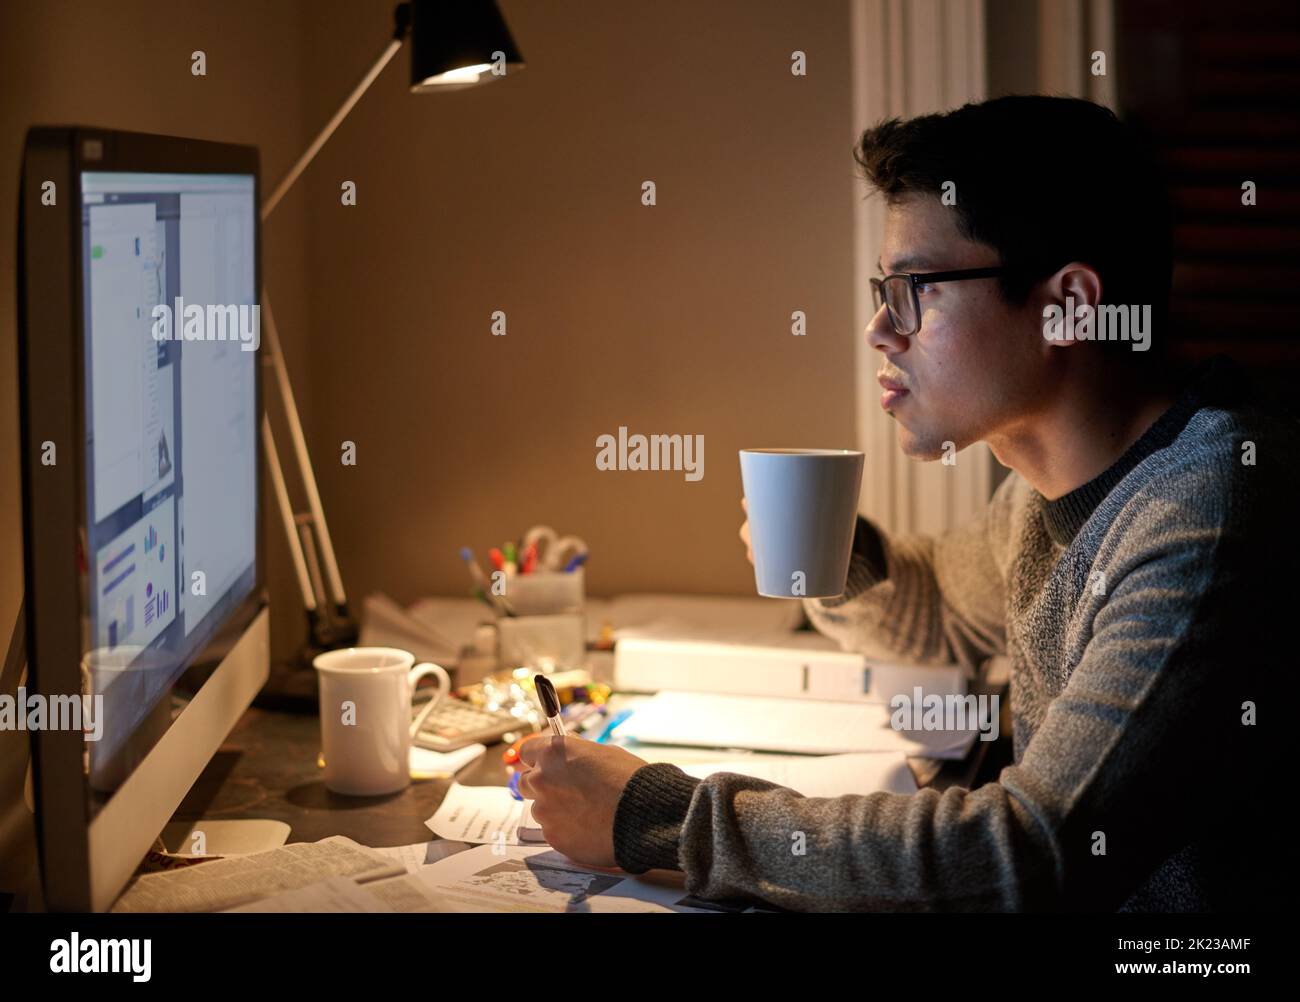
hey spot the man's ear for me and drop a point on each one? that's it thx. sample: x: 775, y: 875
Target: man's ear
x: 1080, y: 281
x: 1060, y: 298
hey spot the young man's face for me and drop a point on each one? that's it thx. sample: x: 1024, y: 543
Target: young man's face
x: 977, y: 365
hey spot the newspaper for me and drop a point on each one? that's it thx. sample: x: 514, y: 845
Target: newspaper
x: 490, y: 878
x: 238, y: 880
x: 395, y: 894
x: 339, y: 894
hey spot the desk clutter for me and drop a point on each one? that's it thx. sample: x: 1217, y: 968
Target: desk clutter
x: 741, y: 689
x: 541, y: 575
x: 704, y: 671
x: 534, y: 593
x: 450, y: 630
x: 502, y: 706
x: 486, y: 857
x: 337, y: 874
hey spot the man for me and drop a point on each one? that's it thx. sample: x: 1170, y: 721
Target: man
x: 1120, y: 566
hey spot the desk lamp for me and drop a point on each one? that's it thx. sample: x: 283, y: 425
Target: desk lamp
x: 454, y: 44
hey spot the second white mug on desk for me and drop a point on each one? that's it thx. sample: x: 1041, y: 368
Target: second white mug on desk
x: 365, y: 716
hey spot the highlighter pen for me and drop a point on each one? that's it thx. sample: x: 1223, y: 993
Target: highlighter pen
x: 618, y: 718
x: 481, y: 583
x: 499, y: 603
x: 475, y: 571
x: 550, y: 703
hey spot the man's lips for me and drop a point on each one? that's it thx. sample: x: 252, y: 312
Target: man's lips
x: 894, y: 391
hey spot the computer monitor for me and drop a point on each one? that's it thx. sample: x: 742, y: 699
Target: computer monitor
x: 141, y: 409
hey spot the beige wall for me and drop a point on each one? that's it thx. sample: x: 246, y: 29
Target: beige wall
x: 523, y: 196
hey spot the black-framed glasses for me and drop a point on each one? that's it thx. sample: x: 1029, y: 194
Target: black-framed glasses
x: 898, y: 293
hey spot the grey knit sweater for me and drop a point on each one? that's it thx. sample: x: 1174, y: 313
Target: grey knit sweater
x: 1142, y: 627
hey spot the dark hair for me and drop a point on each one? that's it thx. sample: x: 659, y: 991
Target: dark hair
x: 1044, y: 181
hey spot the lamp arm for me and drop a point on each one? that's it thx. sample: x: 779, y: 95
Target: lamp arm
x: 345, y: 628
x: 283, y: 187
x: 305, y: 584
x: 319, y: 628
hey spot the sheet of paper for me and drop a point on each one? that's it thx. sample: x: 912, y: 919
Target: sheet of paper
x: 536, y: 879
x: 821, y: 775
x: 489, y: 878
x: 479, y: 815
x: 406, y: 893
x: 425, y: 763
x: 337, y: 894
x: 342, y: 894
x: 810, y: 727
x: 420, y: 854
x: 238, y: 880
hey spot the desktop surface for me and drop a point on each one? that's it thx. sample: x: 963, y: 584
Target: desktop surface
x: 267, y: 768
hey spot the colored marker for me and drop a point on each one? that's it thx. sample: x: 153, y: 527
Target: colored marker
x: 617, y: 719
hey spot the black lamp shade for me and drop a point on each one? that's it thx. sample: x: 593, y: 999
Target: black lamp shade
x: 453, y: 43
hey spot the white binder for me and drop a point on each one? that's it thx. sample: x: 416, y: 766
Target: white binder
x: 648, y: 665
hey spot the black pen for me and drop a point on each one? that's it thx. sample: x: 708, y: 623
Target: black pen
x: 550, y: 703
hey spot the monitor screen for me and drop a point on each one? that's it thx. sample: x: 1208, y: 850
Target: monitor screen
x: 171, y: 328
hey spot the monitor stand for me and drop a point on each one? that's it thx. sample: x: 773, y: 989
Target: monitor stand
x: 18, y: 854
x: 196, y: 839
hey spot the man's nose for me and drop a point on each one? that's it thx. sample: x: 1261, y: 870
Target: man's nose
x: 881, y: 334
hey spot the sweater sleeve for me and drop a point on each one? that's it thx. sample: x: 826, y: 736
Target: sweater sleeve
x: 1115, y: 780
x: 648, y: 818
x: 929, y: 600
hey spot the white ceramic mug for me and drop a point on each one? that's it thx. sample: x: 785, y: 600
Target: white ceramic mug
x: 365, y: 716
x: 803, y: 508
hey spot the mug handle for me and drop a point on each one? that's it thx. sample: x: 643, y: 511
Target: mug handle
x: 444, y: 687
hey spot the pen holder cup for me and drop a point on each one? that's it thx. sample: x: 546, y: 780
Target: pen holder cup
x: 546, y: 593
x: 542, y: 643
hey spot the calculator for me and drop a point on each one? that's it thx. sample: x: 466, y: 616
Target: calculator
x: 454, y: 723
